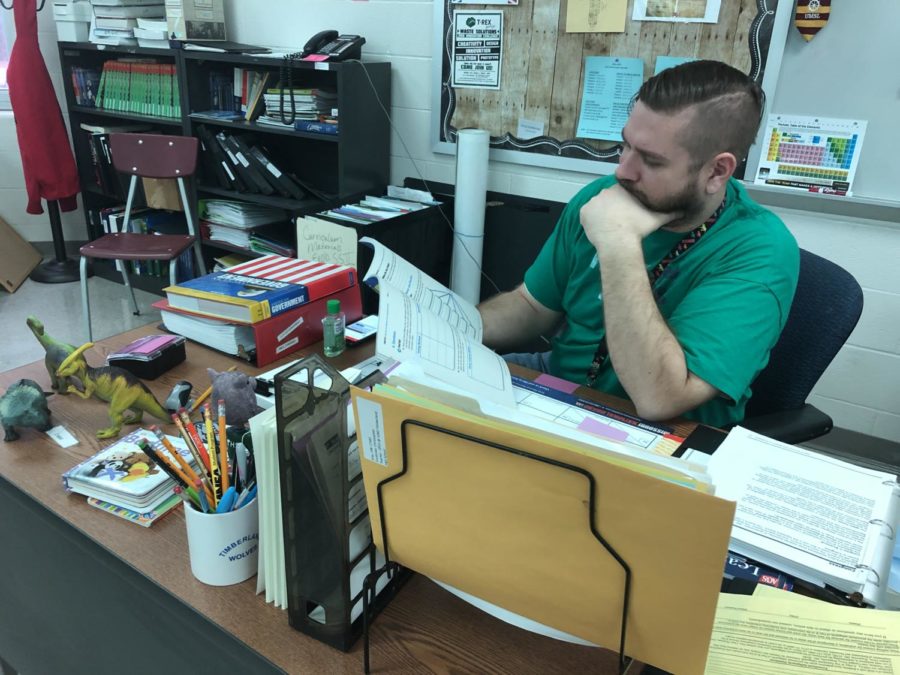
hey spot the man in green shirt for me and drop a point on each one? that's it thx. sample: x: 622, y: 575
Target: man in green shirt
x: 669, y: 283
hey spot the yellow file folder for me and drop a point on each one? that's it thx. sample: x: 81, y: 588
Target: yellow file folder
x: 517, y: 532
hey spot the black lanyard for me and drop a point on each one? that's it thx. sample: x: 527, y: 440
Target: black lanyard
x: 680, y: 249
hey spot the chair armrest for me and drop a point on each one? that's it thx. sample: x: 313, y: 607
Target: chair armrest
x: 791, y: 426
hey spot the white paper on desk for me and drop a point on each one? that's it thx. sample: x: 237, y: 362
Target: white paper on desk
x: 390, y: 268
x: 807, y: 508
x: 410, y: 332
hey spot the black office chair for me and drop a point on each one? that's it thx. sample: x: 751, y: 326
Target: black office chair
x: 826, y: 309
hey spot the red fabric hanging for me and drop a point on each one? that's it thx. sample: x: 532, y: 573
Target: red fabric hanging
x: 47, y: 159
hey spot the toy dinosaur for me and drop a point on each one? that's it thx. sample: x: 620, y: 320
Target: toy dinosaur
x: 122, y: 390
x: 23, y: 405
x: 55, y: 353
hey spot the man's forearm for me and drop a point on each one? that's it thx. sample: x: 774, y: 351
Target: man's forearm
x: 514, y: 319
x: 646, y: 355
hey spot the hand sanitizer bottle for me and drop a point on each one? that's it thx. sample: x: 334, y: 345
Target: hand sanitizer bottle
x: 333, y: 329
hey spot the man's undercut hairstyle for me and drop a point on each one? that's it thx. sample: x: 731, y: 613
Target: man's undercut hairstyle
x: 728, y: 106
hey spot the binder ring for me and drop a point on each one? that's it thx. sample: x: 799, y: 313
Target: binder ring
x: 884, y: 523
x: 873, y: 571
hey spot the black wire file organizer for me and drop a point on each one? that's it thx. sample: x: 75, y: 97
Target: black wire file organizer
x: 391, y: 569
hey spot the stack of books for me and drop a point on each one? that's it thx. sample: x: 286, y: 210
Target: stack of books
x: 84, y: 85
x: 116, y: 22
x: 310, y: 110
x: 122, y: 480
x: 261, y: 309
x: 140, y: 86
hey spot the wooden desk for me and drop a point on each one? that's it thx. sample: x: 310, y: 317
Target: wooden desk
x: 83, y: 591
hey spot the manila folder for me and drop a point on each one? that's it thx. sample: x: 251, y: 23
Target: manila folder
x: 517, y: 532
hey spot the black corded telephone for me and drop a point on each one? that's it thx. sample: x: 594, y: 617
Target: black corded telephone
x: 333, y: 47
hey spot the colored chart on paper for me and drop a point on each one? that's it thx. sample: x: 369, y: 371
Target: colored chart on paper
x: 811, y: 153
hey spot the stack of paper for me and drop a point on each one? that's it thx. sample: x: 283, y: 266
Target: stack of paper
x: 810, y: 515
x: 115, y: 21
x: 242, y: 215
x: 230, y: 338
x: 775, y: 631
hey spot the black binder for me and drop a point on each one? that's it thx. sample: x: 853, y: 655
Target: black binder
x: 282, y: 181
x: 251, y: 171
x: 213, y: 161
x: 241, y: 184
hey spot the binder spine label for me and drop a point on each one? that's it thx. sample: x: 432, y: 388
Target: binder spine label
x: 371, y: 431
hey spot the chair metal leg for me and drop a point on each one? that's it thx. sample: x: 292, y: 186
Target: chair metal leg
x: 173, y: 264
x: 198, y: 249
x: 85, y: 303
x: 127, y: 281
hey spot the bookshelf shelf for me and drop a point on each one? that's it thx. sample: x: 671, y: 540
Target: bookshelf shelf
x: 293, y: 205
x: 121, y: 115
x: 224, y: 246
x: 199, y: 118
x: 355, y: 161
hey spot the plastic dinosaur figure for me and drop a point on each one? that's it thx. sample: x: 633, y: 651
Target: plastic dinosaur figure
x: 55, y: 353
x: 122, y: 390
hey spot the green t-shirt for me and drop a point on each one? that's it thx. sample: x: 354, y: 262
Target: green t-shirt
x: 726, y: 298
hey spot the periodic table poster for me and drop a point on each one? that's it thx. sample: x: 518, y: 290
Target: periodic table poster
x: 814, y: 154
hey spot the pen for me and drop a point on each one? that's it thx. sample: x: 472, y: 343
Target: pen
x: 241, y: 461
x: 185, y: 467
x: 246, y: 496
x: 223, y: 444
x: 215, y: 475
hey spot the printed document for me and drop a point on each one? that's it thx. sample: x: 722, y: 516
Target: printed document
x: 808, y: 514
x: 421, y: 320
x: 774, y: 631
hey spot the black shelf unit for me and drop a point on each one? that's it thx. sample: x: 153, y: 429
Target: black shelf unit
x: 337, y: 167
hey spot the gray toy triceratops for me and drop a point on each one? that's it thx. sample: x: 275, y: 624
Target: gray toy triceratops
x: 23, y: 405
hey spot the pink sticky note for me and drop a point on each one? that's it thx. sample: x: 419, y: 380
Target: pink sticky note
x: 592, y: 426
x: 556, y: 383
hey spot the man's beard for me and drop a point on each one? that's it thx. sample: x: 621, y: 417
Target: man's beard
x: 688, y: 202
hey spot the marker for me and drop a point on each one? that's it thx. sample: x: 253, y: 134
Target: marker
x: 246, y: 496
x: 227, y: 502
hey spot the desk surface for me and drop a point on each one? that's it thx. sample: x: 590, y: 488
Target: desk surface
x: 423, y: 628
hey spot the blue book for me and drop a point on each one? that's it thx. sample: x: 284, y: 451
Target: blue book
x: 258, y: 289
x: 316, y: 127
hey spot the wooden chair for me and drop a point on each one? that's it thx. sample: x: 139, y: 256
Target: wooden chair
x: 145, y: 156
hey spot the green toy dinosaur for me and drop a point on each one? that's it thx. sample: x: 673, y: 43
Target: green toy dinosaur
x: 55, y: 353
x: 122, y: 390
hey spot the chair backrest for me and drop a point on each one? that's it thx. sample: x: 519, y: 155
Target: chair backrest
x: 826, y: 308
x: 154, y: 155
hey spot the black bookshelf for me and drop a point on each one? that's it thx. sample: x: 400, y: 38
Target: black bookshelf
x: 332, y: 168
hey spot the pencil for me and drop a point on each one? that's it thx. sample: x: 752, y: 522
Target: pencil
x: 195, y: 453
x: 215, y: 475
x: 185, y: 467
x: 223, y: 444
x: 206, y: 393
x: 194, y: 436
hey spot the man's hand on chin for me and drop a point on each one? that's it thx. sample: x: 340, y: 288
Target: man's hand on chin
x: 616, y: 217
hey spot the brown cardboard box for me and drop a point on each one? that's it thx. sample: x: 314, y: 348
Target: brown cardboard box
x: 162, y: 193
x: 17, y: 257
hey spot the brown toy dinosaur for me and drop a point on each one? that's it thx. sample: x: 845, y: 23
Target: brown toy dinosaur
x: 122, y: 390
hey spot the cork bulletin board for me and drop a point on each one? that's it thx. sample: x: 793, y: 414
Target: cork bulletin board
x: 542, y: 72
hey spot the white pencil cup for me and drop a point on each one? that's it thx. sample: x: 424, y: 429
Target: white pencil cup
x: 223, y: 546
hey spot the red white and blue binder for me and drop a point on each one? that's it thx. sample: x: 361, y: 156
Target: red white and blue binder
x: 259, y: 289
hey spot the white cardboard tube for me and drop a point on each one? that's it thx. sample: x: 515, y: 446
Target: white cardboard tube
x: 472, y: 146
